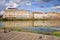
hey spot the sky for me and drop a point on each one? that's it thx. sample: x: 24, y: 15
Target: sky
x: 31, y: 5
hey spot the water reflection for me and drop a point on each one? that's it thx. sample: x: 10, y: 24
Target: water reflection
x: 39, y: 29
x: 32, y: 26
x: 1, y: 24
x: 17, y: 24
x: 47, y: 23
x: 25, y: 24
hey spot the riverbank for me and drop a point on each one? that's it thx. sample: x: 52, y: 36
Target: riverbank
x: 54, y: 33
x: 4, y: 19
x: 14, y: 35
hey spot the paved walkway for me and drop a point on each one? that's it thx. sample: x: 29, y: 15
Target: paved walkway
x: 25, y: 36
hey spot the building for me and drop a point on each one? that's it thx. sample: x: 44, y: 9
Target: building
x: 38, y: 15
x: 53, y: 15
x: 48, y: 15
x: 13, y: 13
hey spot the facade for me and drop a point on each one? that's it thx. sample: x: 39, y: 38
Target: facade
x: 13, y: 13
x: 16, y: 14
x: 38, y: 15
x: 48, y: 15
x: 53, y: 15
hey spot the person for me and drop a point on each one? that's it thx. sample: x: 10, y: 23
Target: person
x: 40, y: 37
x: 4, y: 30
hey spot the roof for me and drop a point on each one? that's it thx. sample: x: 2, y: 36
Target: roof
x: 37, y: 12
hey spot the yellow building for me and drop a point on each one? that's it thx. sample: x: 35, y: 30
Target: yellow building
x: 48, y: 15
x: 38, y: 15
x: 13, y: 13
x: 53, y: 15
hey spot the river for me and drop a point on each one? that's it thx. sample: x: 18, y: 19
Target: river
x: 32, y: 26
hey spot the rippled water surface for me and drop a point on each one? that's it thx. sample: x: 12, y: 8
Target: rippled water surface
x: 32, y: 26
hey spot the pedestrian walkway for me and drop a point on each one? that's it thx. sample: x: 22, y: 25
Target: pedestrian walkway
x: 13, y: 35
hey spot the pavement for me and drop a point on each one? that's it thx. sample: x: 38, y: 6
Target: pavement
x: 14, y: 35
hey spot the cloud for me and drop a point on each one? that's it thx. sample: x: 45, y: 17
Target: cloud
x: 55, y: 7
x: 1, y: 12
x: 39, y: 1
x: 47, y: 0
x: 26, y: 3
x: 11, y: 5
x: 58, y: 0
x: 43, y: 1
x: 58, y: 12
x: 16, y: 3
x: 2, y: 2
x: 57, y: 4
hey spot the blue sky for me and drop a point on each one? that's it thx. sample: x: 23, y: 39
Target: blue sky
x: 32, y: 5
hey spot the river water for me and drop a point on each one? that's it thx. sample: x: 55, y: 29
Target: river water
x: 32, y: 26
